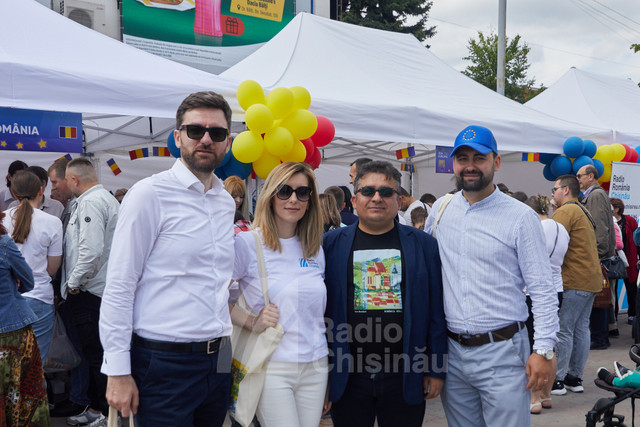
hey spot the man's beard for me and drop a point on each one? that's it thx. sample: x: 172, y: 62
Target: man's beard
x: 200, y: 165
x: 479, y: 184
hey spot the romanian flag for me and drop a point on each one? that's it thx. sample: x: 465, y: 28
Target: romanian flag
x: 405, y: 152
x: 114, y: 166
x: 68, y: 132
x: 161, y: 152
x: 66, y: 156
x: 530, y: 157
x: 407, y: 167
x: 139, y: 153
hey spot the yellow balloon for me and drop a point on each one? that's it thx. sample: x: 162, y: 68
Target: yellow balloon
x: 250, y: 92
x: 606, y: 175
x: 604, y: 154
x: 297, y: 154
x: 301, y: 123
x: 247, y: 146
x: 265, y: 164
x: 618, y: 152
x: 278, y: 141
x: 301, y: 98
x: 258, y: 118
x: 280, y: 101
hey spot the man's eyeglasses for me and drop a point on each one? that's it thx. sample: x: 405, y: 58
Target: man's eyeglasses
x: 554, y: 189
x: 302, y: 193
x: 369, y: 191
x: 580, y: 175
x: 217, y: 134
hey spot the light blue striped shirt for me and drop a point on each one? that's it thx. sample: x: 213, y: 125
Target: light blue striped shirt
x: 490, y: 252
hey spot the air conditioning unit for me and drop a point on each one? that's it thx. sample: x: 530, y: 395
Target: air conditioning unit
x: 99, y: 15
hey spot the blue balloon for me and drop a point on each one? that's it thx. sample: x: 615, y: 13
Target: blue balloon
x: 547, y: 158
x: 599, y: 166
x: 580, y: 162
x: 560, y: 166
x: 237, y: 168
x: 226, y: 159
x: 171, y: 144
x: 590, y: 148
x: 219, y: 172
x: 573, y: 147
x: 638, y: 150
x: 548, y: 174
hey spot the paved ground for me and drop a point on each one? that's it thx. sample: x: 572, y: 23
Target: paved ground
x: 568, y: 410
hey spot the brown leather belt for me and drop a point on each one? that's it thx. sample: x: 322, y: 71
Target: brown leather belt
x: 208, y: 347
x: 476, y: 340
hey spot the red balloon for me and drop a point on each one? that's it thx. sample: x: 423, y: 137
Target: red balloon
x: 315, y: 159
x: 634, y: 156
x: 605, y: 185
x: 325, y: 132
x: 309, y: 146
x: 627, y: 154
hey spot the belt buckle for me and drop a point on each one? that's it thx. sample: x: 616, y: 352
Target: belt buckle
x: 210, y: 344
x: 462, y: 338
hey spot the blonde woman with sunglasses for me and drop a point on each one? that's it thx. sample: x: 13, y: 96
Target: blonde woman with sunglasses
x: 289, y: 222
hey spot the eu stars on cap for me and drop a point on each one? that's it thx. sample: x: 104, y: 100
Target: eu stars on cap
x: 477, y: 137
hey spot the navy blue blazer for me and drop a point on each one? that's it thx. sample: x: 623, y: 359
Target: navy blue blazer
x: 424, y: 329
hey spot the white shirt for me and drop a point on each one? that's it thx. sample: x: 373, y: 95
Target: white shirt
x: 296, y: 286
x: 561, y: 245
x: 490, y: 251
x: 87, y: 241
x: 170, y: 266
x: 412, y: 206
x: 45, y: 239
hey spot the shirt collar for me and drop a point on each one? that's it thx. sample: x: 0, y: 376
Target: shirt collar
x: 188, y: 179
x: 588, y: 190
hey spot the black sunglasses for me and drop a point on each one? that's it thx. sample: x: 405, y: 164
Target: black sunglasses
x: 369, y: 191
x: 217, y: 134
x: 302, y: 193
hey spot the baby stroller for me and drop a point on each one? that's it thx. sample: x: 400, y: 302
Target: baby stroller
x: 625, y: 384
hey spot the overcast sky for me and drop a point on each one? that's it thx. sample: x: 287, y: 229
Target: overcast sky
x: 592, y: 35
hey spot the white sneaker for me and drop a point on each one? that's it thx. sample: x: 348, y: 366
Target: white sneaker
x: 101, y: 421
x: 83, y: 418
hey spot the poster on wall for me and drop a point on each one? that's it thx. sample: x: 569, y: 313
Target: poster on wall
x: 444, y: 161
x: 211, y: 35
x: 42, y: 131
x: 625, y: 185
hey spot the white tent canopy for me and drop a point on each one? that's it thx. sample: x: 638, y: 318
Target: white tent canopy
x: 49, y: 62
x: 383, y: 86
x: 606, y: 102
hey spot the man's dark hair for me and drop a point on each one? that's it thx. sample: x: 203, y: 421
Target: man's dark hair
x: 520, y: 195
x: 428, y: 198
x: 337, y: 193
x: 359, y: 162
x: 205, y: 99
x: 15, y: 166
x: 60, y: 167
x: 40, y: 173
x: 502, y: 187
x: 381, y: 167
x: 418, y: 215
x: 570, y: 181
x: 347, y: 198
x: 592, y: 169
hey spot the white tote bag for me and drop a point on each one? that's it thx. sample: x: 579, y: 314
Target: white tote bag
x: 251, y: 353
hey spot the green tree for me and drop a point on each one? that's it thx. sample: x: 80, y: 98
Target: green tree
x: 390, y: 15
x: 483, y: 54
x: 635, y: 47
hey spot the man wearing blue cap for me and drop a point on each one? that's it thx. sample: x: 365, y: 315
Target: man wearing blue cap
x: 492, y: 247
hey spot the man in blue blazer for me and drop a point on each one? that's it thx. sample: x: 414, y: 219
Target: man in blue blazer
x: 385, y: 319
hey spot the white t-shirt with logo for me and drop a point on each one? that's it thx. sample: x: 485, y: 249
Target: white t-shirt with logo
x: 296, y: 287
x: 45, y: 239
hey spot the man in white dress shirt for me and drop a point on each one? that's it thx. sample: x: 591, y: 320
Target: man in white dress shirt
x: 165, y: 323
x: 492, y: 247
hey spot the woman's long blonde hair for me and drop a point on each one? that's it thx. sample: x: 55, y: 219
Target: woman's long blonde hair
x: 308, y: 229
x: 235, y: 186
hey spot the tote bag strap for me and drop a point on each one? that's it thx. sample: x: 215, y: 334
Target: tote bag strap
x: 261, y: 268
x: 446, y: 199
x: 556, y: 242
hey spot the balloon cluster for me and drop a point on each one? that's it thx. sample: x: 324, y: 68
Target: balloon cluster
x: 579, y: 153
x: 280, y: 128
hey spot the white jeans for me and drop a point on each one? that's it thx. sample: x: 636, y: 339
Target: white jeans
x: 293, y: 394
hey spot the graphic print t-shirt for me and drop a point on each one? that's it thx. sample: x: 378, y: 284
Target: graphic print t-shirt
x: 375, y: 302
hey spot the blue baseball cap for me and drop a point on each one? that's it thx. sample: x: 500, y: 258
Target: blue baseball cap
x: 477, y: 137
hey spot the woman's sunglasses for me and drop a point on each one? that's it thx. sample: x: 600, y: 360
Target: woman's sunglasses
x: 217, y: 134
x: 302, y: 193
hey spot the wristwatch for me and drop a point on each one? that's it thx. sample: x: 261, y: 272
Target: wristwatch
x: 546, y: 353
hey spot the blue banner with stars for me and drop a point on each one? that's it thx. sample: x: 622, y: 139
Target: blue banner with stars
x: 36, y: 130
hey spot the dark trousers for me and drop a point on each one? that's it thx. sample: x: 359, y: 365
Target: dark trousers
x: 366, y: 399
x: 85, y: 311
x: 599, y: 325
x: 80, y: 375
x: 182, y: 389
x: 631, y: 289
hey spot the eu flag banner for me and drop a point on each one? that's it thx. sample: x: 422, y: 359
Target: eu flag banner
x: 37, y: 130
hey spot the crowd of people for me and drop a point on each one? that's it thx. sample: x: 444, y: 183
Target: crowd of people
x: 487, y: 298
